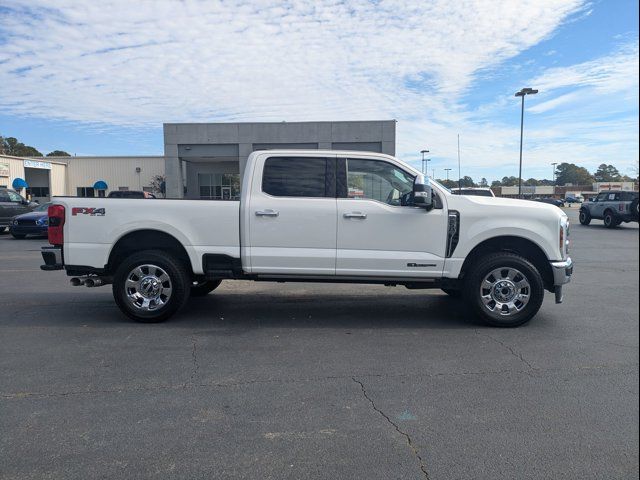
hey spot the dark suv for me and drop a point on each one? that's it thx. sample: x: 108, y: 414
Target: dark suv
x: 12, y: 204
x: 614, y: 207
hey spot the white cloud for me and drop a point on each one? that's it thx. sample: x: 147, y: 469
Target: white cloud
x: 139, y: 64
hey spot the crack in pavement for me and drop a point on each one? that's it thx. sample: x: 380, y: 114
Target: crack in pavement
x: 513, y: 352
x: 169, y: 387
x: 423, y: 467
x: 194, y: 359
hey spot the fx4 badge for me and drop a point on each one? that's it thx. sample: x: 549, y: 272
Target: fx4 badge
x: 94, y: 212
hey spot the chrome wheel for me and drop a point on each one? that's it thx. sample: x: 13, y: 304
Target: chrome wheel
x: 148, y: 287
x: 505, y: 291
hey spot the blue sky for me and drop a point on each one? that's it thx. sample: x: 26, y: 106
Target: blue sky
x: 100, y: 78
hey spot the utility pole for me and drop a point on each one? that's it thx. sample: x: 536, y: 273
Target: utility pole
x: 423, y: 152
x: 522, y: 93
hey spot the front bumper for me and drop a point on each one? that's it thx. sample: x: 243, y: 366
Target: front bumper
x: 28, y: 230
x: 52, y: 257
x: 562, y: 272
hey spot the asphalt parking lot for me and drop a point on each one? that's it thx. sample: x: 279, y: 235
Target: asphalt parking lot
x: 321, y: 381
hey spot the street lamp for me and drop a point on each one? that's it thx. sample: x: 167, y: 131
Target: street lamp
x: 447, y: 170
x: 554, y: 176
x: 522, y: 93
x: 423, y: 152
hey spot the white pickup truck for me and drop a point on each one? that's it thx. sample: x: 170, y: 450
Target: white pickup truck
x: 317, y: 216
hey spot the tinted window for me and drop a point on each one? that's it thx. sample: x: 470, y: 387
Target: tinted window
x: 4, y: 195
x: 14, y: 197
x: 298, y: 177
x: 602, y: 197
x: 377, y: 180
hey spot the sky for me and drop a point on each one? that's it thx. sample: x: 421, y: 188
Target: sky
x: 100, y: 78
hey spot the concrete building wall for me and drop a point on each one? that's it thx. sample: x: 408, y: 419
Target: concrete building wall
x: 211, y: 146
x: 54, y: 177
x: 115, y: 171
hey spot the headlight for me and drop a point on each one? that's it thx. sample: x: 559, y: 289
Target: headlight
x: 564, y: 241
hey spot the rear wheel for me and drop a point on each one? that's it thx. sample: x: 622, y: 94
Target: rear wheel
x: 200, y: 289
x: 150, y: 286
x: 634, y: 209
x: 504, y: 289
x: 609, y: 220
x: 584, y: 217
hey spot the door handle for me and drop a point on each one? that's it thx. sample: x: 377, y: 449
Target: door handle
x: 355, y: 215
x: 267, y: 213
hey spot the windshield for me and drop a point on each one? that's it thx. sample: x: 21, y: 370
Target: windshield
x: 440, y: 185
x: 42, y: 208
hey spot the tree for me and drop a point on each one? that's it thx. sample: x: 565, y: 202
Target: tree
x: 157, y: 184
x: 484, y: 183
x: 570, y: 173
x: 11, y: 146
x: 607, y: 173
x: 531, y: 182
x: 449, y: 183
x: 467, y: 181
x: 509, y: 181
x: 58, y: 153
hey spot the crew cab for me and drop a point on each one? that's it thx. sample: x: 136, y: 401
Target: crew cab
x: 317, y: 216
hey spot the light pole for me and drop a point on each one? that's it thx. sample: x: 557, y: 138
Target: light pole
x: 447, y: 170
x: 423, y: 152
x: 522, y: 93
x: 554, y: 176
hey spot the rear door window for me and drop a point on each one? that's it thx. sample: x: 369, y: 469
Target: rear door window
x: 299, y: 177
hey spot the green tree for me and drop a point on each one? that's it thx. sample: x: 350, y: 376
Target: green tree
x: 484, y: 183
x: 11, y: 146
x: 467, y: 181
x: 571, y: 173
x: 157, y: 184
x: 509, y: 181
x: 58, y: 153
x: 607, y: 173
x: 531, y: 182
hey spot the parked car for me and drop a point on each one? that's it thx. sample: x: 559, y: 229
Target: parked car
x: 477, y: 191
x: 296, y: 220
x: 551, y: 201
x: 35, y: 222
x: 12, y: 204
x: 614, y: 207
x: 130, y: 194
x: 574, y: 199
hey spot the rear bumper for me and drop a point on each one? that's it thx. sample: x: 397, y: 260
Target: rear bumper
x: 562, y: 272
x: 52, y: 257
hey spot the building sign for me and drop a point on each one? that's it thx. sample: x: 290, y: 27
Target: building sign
x: 37, y: 164
x: 4, y: 169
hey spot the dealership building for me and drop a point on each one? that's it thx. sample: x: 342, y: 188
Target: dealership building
x: 201, y: 160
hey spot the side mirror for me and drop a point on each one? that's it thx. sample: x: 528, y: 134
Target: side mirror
x: 422, y: 193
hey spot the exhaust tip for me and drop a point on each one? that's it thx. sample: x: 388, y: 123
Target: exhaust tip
x: 75, y: 281
x: 89, y: 283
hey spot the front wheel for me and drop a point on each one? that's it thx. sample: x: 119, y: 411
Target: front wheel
x: 504, y: 289
x: 610, y: 220
x: 151, y: 285
x: 584, y: 217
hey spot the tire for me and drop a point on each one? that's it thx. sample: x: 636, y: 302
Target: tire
x: 584, y: 217
x: 18, y: 236
x: 610, y: 220
x: 200, y: 289
x: 633, y: 208
x: 522, y: 300
x: 452, y: 293
x: 150, y: 286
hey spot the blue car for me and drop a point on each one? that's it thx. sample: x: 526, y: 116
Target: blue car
x: 35, y: 222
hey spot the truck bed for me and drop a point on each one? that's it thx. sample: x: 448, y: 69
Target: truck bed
x: 94, y: 225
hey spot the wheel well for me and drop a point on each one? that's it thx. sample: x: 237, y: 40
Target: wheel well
x: 147, y: 240
x: 518, y: 245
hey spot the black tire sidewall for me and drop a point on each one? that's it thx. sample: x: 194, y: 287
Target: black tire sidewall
x: 491, y: 262
x: 180, y: 284
x: 587, y: 217
x: 612, y: 221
